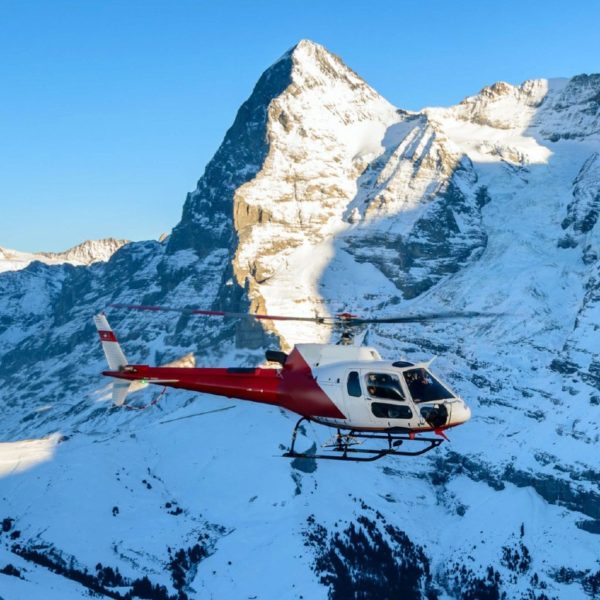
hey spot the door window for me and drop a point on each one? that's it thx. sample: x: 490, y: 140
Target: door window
x: 353, y: 385
x: 384, y: 385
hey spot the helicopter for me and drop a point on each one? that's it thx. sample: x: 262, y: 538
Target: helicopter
x: 396, y: 408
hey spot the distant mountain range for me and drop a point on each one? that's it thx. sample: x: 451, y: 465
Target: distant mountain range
x: 324, y: 197
x: 86, y: 253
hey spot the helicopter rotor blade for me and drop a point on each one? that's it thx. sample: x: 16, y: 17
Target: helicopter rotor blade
x: 424, y: 318
x: 220, y: 313
x: 345, y: 319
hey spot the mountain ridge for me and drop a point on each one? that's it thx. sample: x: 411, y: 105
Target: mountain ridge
x: 85, y: 253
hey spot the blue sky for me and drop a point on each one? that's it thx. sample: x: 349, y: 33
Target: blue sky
x: 110, y: 110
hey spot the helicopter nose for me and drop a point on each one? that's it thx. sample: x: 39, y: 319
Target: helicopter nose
x: 467, y: 412
x: 461, y: 413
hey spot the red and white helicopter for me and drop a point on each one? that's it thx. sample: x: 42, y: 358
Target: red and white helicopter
x: 350, y: 388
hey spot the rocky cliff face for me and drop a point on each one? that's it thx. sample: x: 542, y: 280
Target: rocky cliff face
x: 324, y: 197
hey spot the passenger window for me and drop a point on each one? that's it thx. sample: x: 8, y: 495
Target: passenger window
x: 384, y: 385
x: 354, y: 385
x: 391, y: 411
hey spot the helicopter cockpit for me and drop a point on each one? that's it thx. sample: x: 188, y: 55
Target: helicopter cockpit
x: 424, y: 387
x: 421, y: 384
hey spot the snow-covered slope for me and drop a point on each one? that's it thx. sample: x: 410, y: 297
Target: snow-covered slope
x: 88, y: 252
x: 324, y: 197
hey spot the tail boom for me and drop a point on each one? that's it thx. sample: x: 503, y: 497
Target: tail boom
x: 257, y: 385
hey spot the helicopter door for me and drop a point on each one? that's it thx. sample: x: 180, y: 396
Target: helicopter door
x: 388, y: 406
x: 354, y: 398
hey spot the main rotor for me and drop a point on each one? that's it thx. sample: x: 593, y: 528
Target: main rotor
x: 345, y: 322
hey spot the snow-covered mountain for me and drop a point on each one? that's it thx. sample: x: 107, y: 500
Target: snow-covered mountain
x: 86, y: 253
x: 324, y: 197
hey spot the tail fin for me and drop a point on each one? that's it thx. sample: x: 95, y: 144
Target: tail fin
x: 112, y: 350
x: 114, y: 356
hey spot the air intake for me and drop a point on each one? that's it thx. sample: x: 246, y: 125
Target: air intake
x: 276, y: 356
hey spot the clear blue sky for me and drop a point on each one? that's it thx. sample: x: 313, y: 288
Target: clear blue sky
x: 110, y: 110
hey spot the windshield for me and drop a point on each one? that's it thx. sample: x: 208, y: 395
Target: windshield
x: 424, y: 387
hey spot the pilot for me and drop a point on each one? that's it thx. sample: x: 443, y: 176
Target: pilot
x: 371, y: 384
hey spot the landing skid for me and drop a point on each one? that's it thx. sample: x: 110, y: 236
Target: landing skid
x: 342, y: 446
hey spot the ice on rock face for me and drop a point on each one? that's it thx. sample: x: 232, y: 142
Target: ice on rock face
x: 584, y: 210
x: 323, y: 197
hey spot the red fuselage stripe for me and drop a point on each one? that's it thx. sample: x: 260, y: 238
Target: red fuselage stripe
x: 259, y: 386
x: 292, y: 387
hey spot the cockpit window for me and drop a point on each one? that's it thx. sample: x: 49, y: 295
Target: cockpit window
x: 354, y: 384
x: 424, y: 387
x: 384, y: 385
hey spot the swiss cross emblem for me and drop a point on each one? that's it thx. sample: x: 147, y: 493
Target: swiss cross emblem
x: 107, y: 336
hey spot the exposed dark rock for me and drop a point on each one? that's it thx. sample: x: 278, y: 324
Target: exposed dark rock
x: 369, y: 559
x: 207, y: 220
x: 563, y: 366
x: 11, y: 570
x: 182, y: 565
x: 588, y: 580
x: 590, y: 526
x: 553, y: 489
x: 436, y: 246
x: 516, y: 558
x: 465, y: 584
x: 7, y: 524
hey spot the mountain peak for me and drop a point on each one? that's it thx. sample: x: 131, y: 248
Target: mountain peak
x: 312, y: 64
x: 528, y: 92
x: 308, y: 45
x: 304, y: 86
x: 86, y: 253
x: 309, y: 50
x: 303, y: 51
